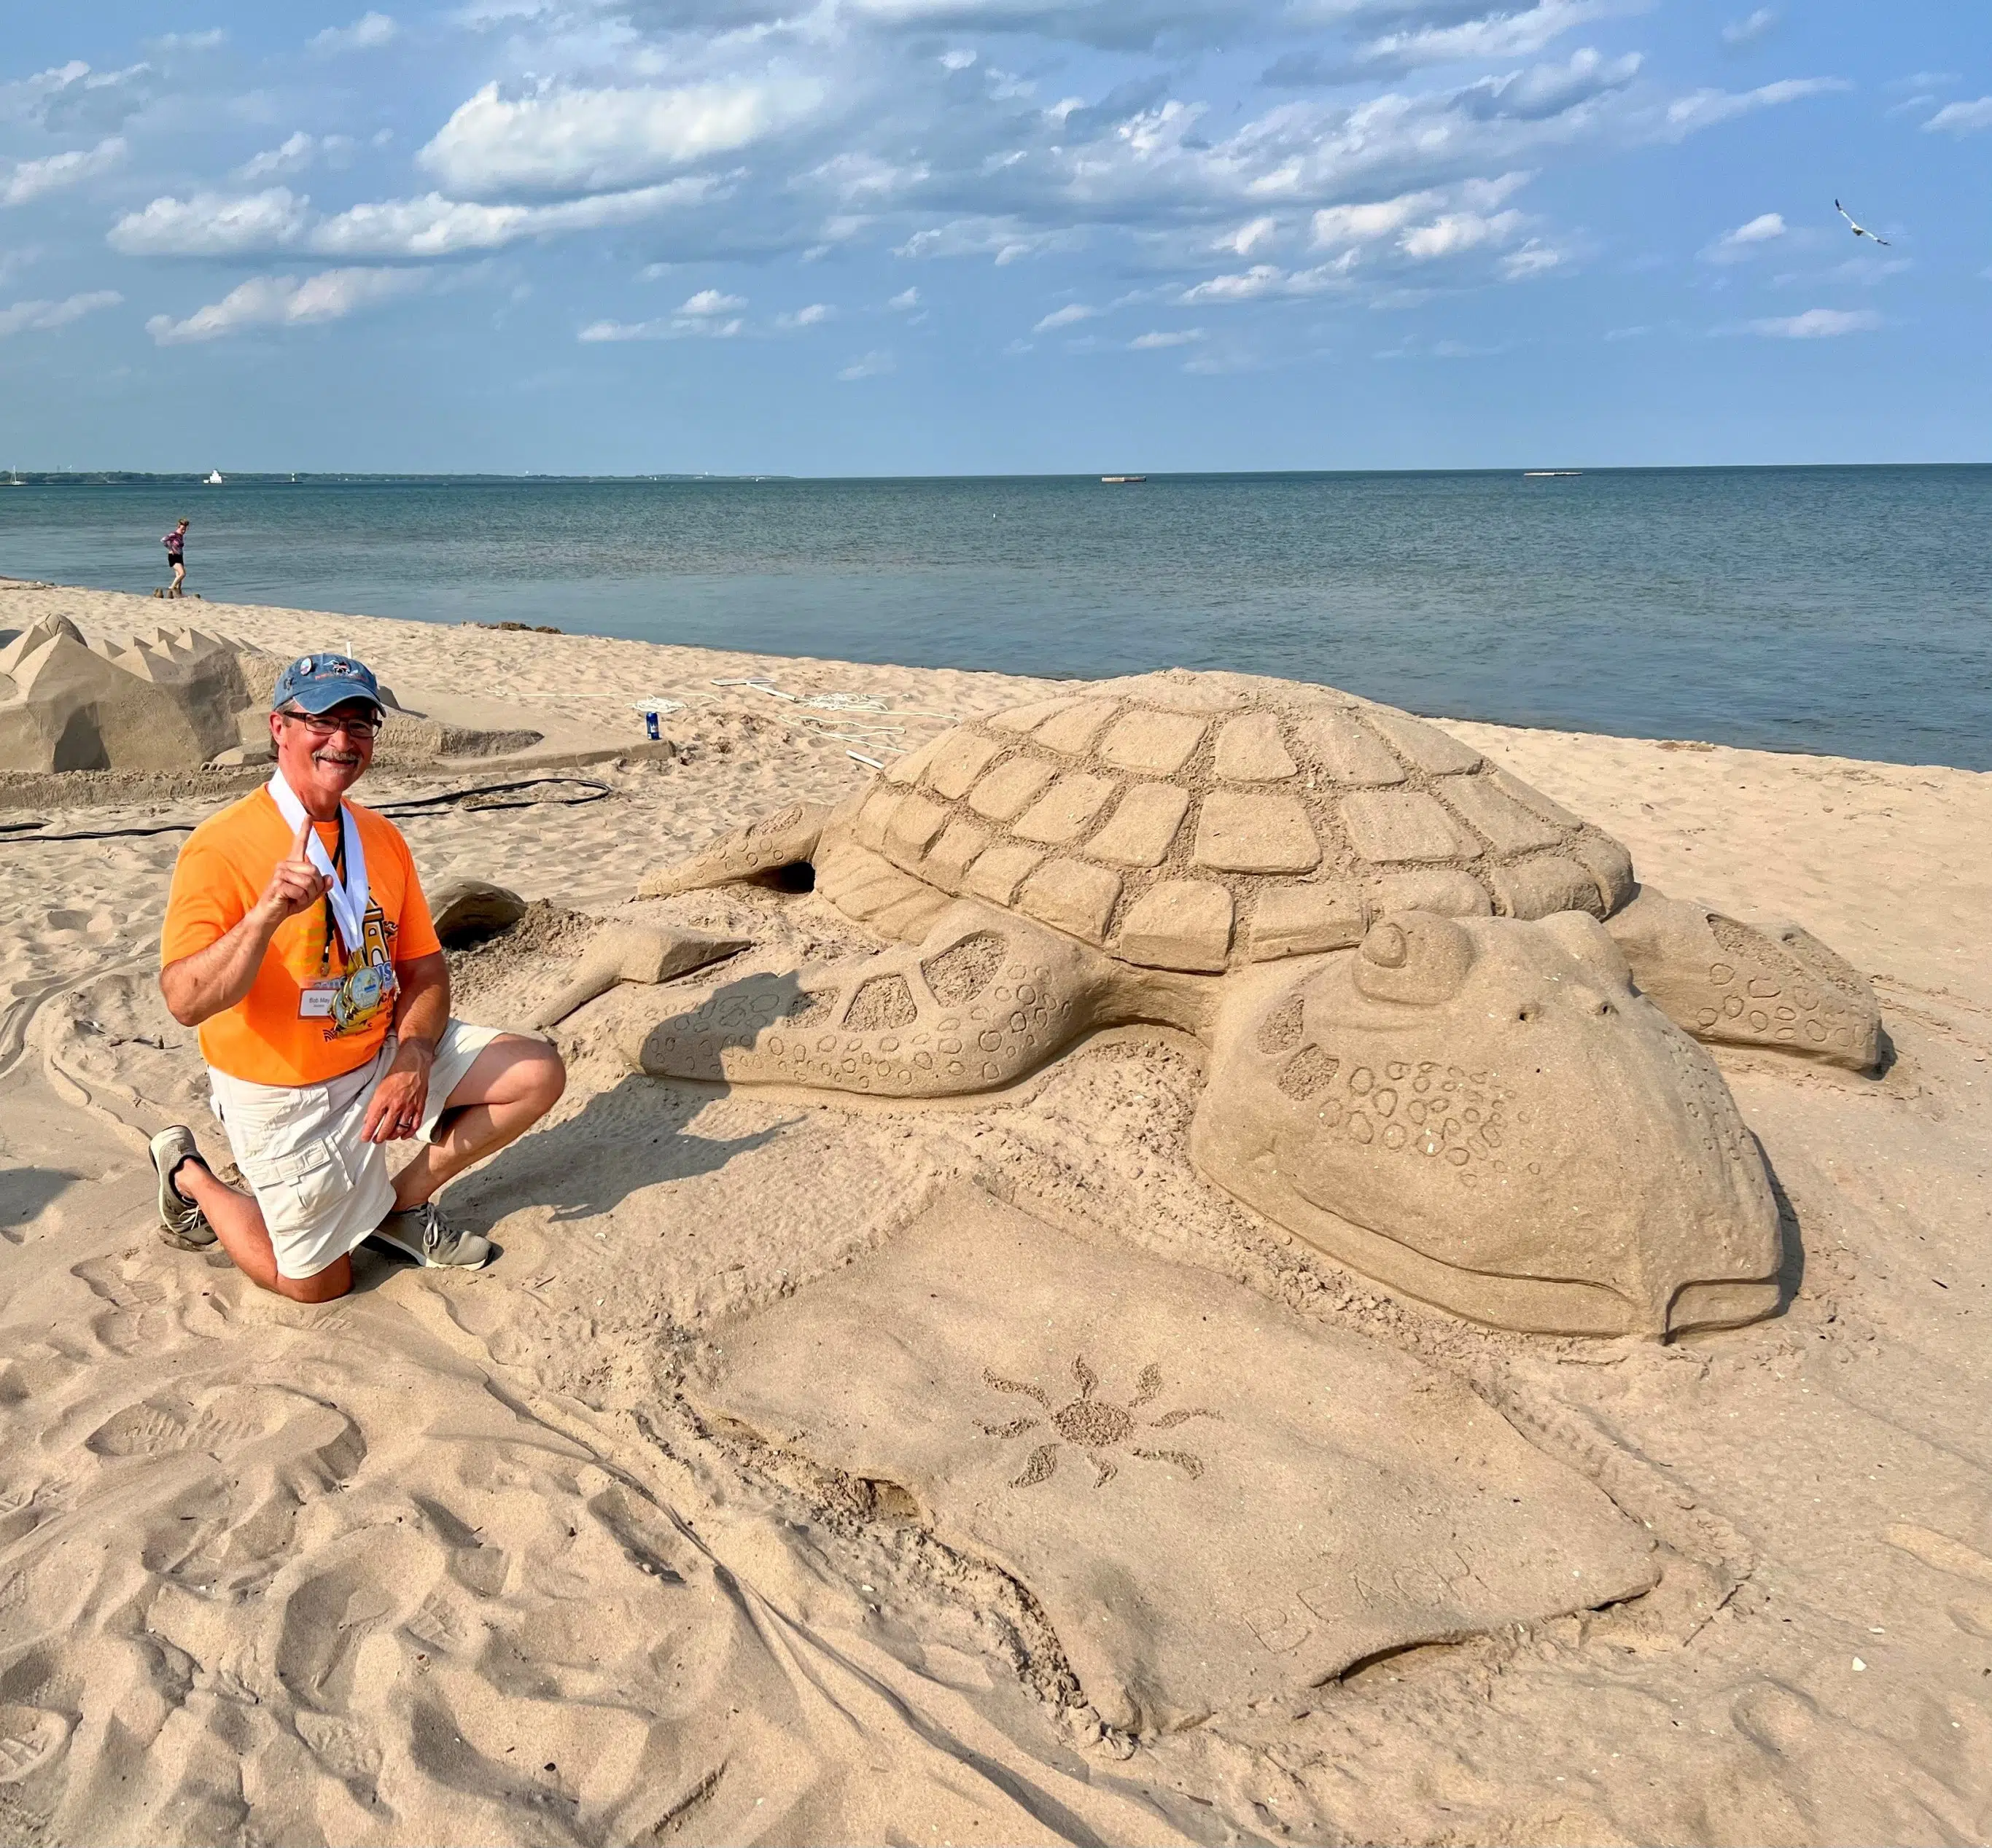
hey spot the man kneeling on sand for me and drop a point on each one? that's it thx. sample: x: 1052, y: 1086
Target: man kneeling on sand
x: 297, y: 939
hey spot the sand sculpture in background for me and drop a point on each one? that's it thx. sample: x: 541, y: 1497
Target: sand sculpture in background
x: 1433, y: 997
x: 170, y: 701
x: 177, y: 700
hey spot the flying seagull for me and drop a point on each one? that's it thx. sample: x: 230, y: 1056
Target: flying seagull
x: 1859, y: 230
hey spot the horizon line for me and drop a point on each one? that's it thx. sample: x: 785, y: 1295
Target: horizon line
x: 113, y: 477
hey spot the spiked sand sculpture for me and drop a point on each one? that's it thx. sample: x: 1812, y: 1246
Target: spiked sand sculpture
x: 165, y: 701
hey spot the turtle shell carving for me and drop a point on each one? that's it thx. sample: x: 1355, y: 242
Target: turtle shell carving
x: 1446, y: 1029
x: 1205, y: 821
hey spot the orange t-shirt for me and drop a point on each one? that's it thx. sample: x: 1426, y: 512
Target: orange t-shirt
x: 267, y: 1037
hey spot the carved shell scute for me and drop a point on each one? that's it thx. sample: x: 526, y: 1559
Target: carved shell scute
x: 1202, y: 821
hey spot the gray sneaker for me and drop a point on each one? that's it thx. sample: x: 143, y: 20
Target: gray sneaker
x: 182, y: 1224
x: 422, y: 1233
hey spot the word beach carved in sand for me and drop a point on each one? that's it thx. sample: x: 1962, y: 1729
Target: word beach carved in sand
x: 1450, y: 1031
x: 1337, y: 1500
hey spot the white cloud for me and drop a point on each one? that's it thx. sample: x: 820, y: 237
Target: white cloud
x: 1072, y: 311
x: 1739, y: 33
x: 1818, y: 324
x: 1149, y: 343
x: 30, y: 178
x: 564, y: 140
x: 665, y: 327
x: 1257, y: 234
x: 1372, y: 221
x: 905, y: 299
x: 1452, y: 232
x: 1705, y: 108
x: 1004, y: 238
x: 1961, y: 118
x: 297, y: 152
x: 72, y: 98
x: 1267, y: 279
x: 1365, y: 223
x: 1494, y: 35
x: 436, y: 227
x: 1248, y: 285
x: 368, y: 32
x: 1535, y: 258
x: 25, y: 315
x: 814, y: 316
x: 1419, y: 227
x: 287, y: 301
x: 712, y: 301
x: 293, y: 156
x: 869, y: 365
x: 1733, y: 246
x: 866, y: 179
x: 213, y: 224
x: 213, y: 39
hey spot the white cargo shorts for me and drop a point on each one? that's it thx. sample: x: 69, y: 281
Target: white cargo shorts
x: 322, y: 1186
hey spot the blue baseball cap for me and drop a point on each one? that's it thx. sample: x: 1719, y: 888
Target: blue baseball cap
x: 316, y: 683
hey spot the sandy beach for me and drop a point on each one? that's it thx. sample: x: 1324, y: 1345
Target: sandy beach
x: 536, y: 1554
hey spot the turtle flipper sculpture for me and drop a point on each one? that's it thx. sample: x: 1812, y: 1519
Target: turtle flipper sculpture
x: 1730, y: 984
x: 1428, y: 1058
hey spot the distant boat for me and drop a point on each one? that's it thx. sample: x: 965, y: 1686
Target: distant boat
x: 213, y: 480
x: 1121, y: 481
x: 1549, y: 474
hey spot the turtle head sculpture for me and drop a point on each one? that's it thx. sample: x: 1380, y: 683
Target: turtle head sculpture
x: 1449, y: 1033
x: 1486, y: 1113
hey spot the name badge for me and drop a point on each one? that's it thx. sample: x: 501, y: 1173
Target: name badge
x: 314, y: 999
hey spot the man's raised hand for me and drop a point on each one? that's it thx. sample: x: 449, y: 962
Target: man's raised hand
x: 296, y: 885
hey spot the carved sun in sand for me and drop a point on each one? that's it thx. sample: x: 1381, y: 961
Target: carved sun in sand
x: 1097, y: 1426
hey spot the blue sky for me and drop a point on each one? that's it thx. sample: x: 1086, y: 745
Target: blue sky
x: 878, y: 236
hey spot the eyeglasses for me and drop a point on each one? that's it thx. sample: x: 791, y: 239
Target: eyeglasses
x: 325, y: 726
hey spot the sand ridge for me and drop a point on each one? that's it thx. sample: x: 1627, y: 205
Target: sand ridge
x: 806, y: 1658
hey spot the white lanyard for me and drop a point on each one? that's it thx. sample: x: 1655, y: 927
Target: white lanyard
x: 347, y: 897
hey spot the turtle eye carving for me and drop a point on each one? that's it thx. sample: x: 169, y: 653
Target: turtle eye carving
x: 1415, y: 956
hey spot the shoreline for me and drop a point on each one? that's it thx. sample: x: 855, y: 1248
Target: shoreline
x: 681, y: 660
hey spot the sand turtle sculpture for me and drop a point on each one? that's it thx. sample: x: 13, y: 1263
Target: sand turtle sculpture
x: 1445, y: 1023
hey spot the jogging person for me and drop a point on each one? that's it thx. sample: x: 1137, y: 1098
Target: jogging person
x: 175, y: 544
x: 297, y: 940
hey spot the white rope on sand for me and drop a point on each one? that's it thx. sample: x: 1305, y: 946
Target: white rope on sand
x: 837, y: 701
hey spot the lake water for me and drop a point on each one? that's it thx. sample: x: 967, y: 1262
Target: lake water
x: 1843, y: 610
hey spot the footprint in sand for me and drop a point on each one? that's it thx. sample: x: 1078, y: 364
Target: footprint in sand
x: 341, y: 1748
x: 309, y: 1446
x: 1940, y: 1550
x: 30, y: 1737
